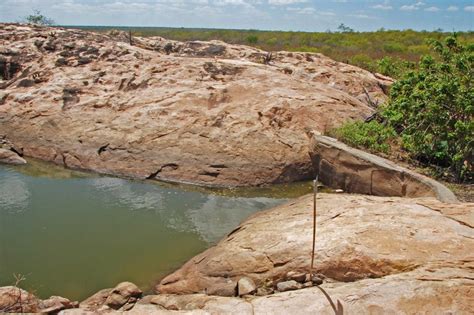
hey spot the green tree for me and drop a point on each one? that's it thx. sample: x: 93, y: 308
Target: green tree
x: 344, y: 28
x: 38, y: 19
x: 432, y: 108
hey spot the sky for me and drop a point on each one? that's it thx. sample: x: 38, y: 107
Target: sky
x: 293, y: 15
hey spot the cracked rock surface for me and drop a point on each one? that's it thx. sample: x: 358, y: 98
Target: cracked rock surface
x: 201, y: 112
x: 385, y: 251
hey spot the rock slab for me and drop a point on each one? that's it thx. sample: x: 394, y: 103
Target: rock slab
x: 356, y: 171
x: 358, y: 237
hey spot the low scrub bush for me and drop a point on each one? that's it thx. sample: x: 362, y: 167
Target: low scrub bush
x: 430, y: 111
x: 373, y: 135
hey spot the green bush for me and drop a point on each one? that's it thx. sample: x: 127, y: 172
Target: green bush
x: 432, y: 108
x: 392, y: 47
x: 373, y: 135
x: 394, y: 67
x: 252, y: 39
x: 38, y: 19
x: 364, y: 62
x: 430, y: 112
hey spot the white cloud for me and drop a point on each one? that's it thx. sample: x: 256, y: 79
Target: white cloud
x: 432, y: 9
x: 361, y: 16
x: 307, y: 10
x: 452, y: 8
x: 326, y: 13
x: 382, y: 7
x: 412, y: 7
x: 285, y: 2
x: 231, y: 2
x: 408, y: 7
x: 469, y: 8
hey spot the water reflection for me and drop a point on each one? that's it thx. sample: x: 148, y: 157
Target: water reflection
x: 123, y: 192
x: 209, y: 215
x: 217, y: 216
x: 74, y: 233
x: 14, y: 193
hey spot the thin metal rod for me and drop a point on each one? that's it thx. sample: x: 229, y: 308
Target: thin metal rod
x: 315, y: 192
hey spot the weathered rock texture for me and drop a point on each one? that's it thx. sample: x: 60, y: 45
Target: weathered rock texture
x: 356, y: 171
x: 16, y: 300
x: 10, y: 157
x: 358, y: 237
x: 201, y: 112
x: 122, y: 297
x: 433, y: 290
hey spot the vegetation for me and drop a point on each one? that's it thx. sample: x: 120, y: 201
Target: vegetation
x: 372, y: 135
x: 38, y: 19
x: 389, y: 52
x: 430, y: 112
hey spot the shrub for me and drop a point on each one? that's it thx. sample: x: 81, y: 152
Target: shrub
x: 392, y: 47
x: 252, y: 39
x: 364, y: 62
x: 430, y: 112
x: 38, y: 19
x: 394, y: 67
x: 373, y: 135
x: 432, y: 108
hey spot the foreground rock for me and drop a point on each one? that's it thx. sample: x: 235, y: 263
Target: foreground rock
x: 434, y: 290
x: 356, y: 171
x: 122, y: 297
x: 358, y: 237
x: 207, y: 113
x: 10, y: 157
x: 16, y: 300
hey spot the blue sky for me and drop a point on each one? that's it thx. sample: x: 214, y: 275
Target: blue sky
x: 306, y: 15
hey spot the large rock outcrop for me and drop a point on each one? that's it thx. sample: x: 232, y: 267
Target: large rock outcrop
x: 358, y: 237
x: 201, y: 112
x: 356, y: 171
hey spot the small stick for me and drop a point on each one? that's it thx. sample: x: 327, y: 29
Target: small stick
x: 315, y: 192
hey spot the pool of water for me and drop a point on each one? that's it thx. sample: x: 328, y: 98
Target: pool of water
x: 71, y: 233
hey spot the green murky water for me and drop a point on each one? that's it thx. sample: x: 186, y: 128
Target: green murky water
x: 72, y: 233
